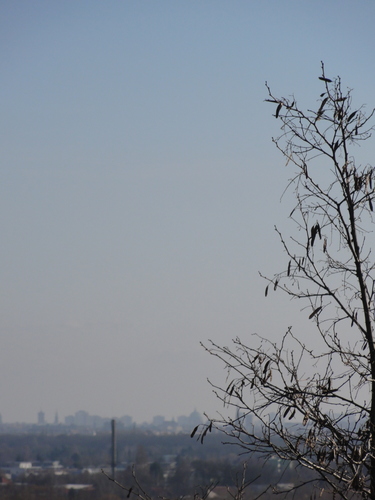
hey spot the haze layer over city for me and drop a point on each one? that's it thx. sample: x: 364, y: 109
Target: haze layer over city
x: 140, y: 189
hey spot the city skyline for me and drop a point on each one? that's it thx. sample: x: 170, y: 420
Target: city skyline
x: 82, y: 419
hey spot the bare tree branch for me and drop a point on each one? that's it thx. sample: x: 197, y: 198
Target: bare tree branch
x: 316, y: 407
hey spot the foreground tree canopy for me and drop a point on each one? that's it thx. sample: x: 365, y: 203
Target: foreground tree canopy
x: 316, y: 406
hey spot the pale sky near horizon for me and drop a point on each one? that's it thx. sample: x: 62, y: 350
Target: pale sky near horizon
x: 139, y: 189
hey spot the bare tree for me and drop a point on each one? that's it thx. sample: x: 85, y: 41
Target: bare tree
x: 316, y: 406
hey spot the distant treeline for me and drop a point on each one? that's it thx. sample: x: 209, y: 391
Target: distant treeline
x: 84, y: 450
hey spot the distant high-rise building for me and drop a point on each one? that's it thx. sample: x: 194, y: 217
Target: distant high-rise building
x: 56, y: 418
x: 41, y: 420
x: 81, y: 418
x: 126, y: 421
x: 69, y: 420
x: 158, y: 420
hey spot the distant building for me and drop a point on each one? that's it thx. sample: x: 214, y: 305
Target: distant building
x: 126, y: 421
x: 41, y: 419
x: 158, y: 420
x: 69, y: 420
x: 82, y: 418
x: 188, y: 423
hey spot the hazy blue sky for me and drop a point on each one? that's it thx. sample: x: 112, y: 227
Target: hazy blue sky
x: 139, y: 189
